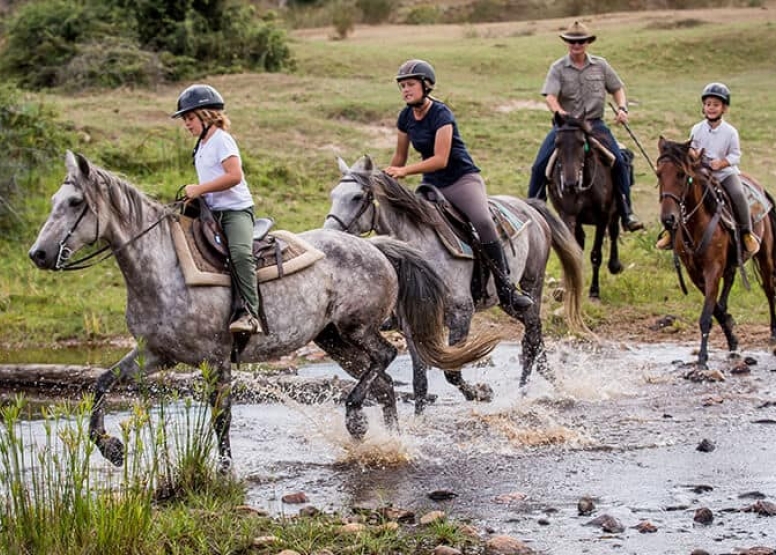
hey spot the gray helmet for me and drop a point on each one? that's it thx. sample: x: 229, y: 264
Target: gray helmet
x: 717, y: 90
x: 198, y: 96
x: 418, y: 69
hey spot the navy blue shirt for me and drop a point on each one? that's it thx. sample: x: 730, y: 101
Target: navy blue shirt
x: 422, y: 135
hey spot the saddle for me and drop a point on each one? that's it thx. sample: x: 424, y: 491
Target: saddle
x: 203, y: 252
x: 460, y: 238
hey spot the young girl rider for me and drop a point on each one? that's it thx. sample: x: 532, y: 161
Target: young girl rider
x: 718, y: 140
x: 429, y: 125
x: 223, y: 187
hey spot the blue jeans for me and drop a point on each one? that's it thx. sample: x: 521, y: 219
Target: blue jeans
x: 621, y: 180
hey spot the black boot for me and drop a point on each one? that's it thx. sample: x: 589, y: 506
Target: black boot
x: 511, y: 300
x: 629, y: 220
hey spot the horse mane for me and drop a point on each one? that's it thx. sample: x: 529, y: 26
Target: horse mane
x: 679, y: 154
x: 405, y: 203
x: 101, y: 186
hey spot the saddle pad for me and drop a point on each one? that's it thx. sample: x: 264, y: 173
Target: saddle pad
x: 197, y: 271
x: 759, y: 206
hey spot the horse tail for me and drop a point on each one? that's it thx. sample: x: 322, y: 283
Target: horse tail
x: 566, y: 247
x: 421, y: 309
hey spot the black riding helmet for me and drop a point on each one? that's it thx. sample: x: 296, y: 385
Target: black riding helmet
x: 418, y: 69
x: 717, y: 90
x: 198, y: 96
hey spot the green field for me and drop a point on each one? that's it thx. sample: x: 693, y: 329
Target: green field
x: 342, y: 101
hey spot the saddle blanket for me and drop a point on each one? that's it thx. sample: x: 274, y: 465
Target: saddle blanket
x: 297, y: 254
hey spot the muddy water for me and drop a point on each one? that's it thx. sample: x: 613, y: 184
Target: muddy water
x: 621, y: 426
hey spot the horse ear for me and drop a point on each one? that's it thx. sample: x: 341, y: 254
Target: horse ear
x: 368, y: 164
x: 343, y: 167
x: 83, y: 164
x: 661, y: 143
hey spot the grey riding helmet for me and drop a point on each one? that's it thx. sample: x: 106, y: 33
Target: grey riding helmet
x: 418, y: 69
x: 198, y: 96
x: 717, y: 90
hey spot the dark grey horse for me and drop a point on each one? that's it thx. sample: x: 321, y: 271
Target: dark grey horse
x: 368, y: 200
x: 339, y: 302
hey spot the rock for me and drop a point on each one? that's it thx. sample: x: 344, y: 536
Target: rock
x: 608, y: 524
x: 289, y: 552
x: 432, y: 516
x: 352, y: 528
x: 763, y: 508
x: 646, y: 527
x: 703, y: 516
x: 506, y: 545
x: 699, y: 552
x: 446, y: 550
x: 506, y: 498
x: 585, y: 506
x: 758, y: 551
x: 264, y: 541
x: 399, y: 515
x: 739, y: 368
x: 294, y: 498
x: 442, y: 495
x: 309, y: 511
x: 706, y: 446
x: 252, y: 510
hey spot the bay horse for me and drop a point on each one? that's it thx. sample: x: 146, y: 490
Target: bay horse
x: 582, y: 191
x: 368, y: 200
x: 339, y: 302
x: 697, y: 215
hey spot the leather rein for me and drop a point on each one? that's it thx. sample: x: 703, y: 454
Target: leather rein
x: 368, y: 201
x: 94, y: 258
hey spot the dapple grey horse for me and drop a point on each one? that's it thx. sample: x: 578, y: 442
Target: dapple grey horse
x: 339, y: 302
x: 368, y: 200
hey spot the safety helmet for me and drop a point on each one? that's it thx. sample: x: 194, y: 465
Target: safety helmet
x: 198, y: 96
x: 417, y: 69
x: 717, y: 90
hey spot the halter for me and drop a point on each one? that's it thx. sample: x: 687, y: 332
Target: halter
x: 368, y: 201
x: 65, y: 253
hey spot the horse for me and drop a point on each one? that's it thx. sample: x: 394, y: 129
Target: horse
x: 339, y: 302
x: 582, y: 191
x: 368, y: 200
x: 696, y: 214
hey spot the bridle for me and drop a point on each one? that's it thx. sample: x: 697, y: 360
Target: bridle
x: 581, y: 185
x: 681, y: 202
x: 368, y: 202
x: 63, y: 255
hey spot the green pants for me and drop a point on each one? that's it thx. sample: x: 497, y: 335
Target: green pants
x: 238, y: 228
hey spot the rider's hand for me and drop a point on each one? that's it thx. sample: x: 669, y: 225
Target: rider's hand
x: 191, y: 191
x: 621, y: 117
x: 397, y: 172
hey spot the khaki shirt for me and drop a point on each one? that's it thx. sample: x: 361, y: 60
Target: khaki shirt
x: 582, y: 92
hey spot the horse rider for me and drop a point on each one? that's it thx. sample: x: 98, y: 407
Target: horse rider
x: 577, y: 84
x: 223, y: 188
x: 721, y: 148
x: 430, y: 126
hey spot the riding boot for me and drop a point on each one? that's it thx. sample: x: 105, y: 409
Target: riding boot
x: 510, y: 298
x: 629, y: 220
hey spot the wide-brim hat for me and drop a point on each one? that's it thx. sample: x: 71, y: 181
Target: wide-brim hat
x: 577, y: 31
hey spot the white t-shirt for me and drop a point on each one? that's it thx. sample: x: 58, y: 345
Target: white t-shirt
x: 220, y: 146
x: 720, y: 143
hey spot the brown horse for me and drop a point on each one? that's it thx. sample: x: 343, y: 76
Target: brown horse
x: 582, y: 191
x: 695, y: 211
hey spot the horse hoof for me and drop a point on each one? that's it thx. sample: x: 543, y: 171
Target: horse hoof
x: 224, y: 465
x: 112, y: 449
x: 481, y: 392
x: 357, y: 425
x: 615, y: 269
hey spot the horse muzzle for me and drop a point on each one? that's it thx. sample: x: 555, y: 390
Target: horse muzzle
x: 46, y: 259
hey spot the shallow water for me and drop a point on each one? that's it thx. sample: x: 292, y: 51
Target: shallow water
x: 620, y: 425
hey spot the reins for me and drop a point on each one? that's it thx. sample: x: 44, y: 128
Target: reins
x: 101, y: 255
x: 369, y: 201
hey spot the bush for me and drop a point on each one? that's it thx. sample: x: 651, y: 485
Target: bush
x: 425, y: 14
x: 375, y: 11
x: 30, y: 138
x: 343, y: 17
x: 111, y: 63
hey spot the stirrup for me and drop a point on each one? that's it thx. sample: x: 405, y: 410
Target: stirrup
x: 751, y: 243
x: 664, y: 242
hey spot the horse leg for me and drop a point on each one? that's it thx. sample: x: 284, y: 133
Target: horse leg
x: 221, y: 414
x: 459, y: 321
x: 615, y: 266
x: 596, y: 259
x: 721, y: 313
x: 111, y: 447
x: 705, y: 322
x: 365, y: 357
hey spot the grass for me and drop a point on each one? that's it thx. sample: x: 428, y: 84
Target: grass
x: 341, y: 101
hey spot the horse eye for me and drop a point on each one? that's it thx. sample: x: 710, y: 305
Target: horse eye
x: 75, y: 201
x: 358, y: 198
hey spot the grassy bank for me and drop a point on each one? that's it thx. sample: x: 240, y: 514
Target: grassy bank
x: 342, y: 101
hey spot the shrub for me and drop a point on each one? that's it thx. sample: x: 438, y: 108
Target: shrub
x: 375, y: 11
x: 111, y: 62
x: 425, y: 14
x: 343, y: 17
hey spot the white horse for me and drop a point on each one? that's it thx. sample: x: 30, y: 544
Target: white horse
x: 339, y: 302
x: 368, y: 200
